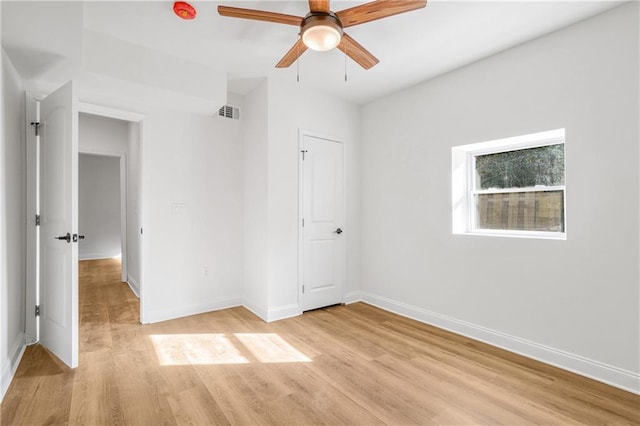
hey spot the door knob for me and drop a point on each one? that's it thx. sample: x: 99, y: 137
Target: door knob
x: 338, y: 231
x: 66, y: 238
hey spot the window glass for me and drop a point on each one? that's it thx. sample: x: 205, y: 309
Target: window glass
x: 524, y: 211
x: 531, y: 167
x: 520, y: 190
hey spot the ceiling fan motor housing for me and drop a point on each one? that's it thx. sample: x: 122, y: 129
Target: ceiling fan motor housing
x: 321, y: 30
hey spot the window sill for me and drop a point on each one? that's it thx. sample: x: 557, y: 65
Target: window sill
x: 516, y: 234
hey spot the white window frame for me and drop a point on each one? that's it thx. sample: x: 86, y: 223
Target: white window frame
x: 464, y: 188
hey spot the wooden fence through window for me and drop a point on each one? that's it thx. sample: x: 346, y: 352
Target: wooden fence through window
x: 524, y: 211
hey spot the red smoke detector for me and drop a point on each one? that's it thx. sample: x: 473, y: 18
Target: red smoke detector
x: 184, y: 10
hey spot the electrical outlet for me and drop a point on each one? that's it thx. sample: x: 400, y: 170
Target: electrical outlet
x: 205, y: 271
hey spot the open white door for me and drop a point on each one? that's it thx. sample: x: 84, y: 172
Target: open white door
x: 322, y: 270
x: 58, y: 131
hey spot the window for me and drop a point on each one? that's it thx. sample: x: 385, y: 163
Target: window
x: 511, y: 187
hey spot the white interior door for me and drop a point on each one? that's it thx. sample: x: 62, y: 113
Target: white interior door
x: 59, y: 224
x: 322, y: 253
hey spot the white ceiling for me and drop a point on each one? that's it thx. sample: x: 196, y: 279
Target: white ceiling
x: 43, y: 39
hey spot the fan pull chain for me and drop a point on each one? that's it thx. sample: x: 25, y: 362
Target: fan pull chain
x: 345, y: 68
x: 345, y: 63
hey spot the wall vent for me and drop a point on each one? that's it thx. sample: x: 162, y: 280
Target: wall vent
x: 228, y: 111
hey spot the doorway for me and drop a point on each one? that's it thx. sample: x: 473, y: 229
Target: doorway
x: 100, y: 208
x: 108, y: 202
x: 321, y: 246
x: 41, y: 161
x: 103, y: 140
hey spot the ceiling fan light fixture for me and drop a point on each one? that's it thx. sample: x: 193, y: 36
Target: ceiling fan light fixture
x: 321, y: 32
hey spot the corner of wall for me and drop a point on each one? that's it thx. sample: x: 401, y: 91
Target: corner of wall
x: 134, y: 286
x: 256, y: 310
x: 277, y: 313
x: 353, y: 297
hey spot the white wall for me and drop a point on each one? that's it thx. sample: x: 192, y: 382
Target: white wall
x: 99, y: 206
x: 255, y: 220
x: 102, y: 134
x: 574, y: 303
x: 193, y: 233
x: 12, y: 224
x: 291, y: 108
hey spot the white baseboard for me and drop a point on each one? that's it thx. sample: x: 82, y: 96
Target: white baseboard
x: 282, y: 312
x: 134, y: 286
x: 96, y: 256
x: 9, y: 369
x: 259, y: 312
x: 353, y: 297
x: 273, y: 314
x: 185, y: 311
x: 596, y: 370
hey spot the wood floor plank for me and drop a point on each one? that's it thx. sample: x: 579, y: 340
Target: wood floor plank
x: 238, y: 401
x: 94, y: 398
x: 347, y: 373
x: 41, y: 381
x: 352, y: 364
x: 195, y: 406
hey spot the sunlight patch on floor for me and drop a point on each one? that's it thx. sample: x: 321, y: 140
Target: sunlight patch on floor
x: 211, y: 349
x: 196, y: 349
x: 270, y: 347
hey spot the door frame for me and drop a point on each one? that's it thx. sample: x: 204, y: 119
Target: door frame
x: 141, y: 120
x: 32, y: 296
x: 32, y: 291
x: 301, y: 134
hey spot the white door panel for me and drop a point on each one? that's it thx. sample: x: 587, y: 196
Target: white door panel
x: 54, y: 300
x: 322, y: 209
x: 321, y: 264
x: 323, y: 187
x: 58, y: 216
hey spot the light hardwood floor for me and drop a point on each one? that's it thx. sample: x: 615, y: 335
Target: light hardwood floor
x: 351, y: 364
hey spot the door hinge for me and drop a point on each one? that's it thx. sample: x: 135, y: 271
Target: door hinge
x: 302, y: 288
x: 37, y: 220
x: 303, y: 222
x: 36, y: 127
x: 37, y: 310
x: 304, y: 151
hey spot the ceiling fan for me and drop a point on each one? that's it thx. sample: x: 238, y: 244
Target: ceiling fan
x: 322, y: 29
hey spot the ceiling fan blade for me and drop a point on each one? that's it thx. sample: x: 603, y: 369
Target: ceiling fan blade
x: 259, y: 15
x: 294, y: 53
x: 376, y: 10
x: 355, y: 51
x: 319, y: 6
